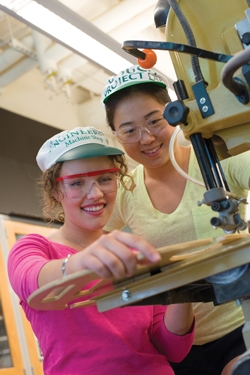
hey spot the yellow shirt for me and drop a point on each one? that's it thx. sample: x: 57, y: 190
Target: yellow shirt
x: 188, y: 222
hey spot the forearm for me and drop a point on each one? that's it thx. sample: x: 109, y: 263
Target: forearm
x: 173, y: 330
x: 179, y: 318
x: 51, y: 271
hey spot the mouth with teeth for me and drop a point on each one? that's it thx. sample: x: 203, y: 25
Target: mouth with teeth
x: 152, y: 151
x: 94, y: 209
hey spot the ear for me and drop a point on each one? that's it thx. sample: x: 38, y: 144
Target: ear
x: 58, y: 195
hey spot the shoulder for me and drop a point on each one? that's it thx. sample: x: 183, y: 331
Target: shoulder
x: 237, y: 169
x: 138, y: 171
x: 34, y: 243
x: 138, y: 177
x: 33, y: 238
x: 137, y: 174
x: 237, y: 159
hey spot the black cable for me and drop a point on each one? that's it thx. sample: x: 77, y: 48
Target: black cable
x: 190, y: 38
x: 231, y: 83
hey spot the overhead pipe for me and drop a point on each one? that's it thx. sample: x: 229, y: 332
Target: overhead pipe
x: 11, y: 56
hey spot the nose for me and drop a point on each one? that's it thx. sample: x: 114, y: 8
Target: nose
x: 94, y: 191
x: 146, y: 136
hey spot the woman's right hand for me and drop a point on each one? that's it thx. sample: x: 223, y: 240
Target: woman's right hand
x: 113, y: 255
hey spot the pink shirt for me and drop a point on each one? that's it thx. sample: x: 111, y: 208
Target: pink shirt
x: 129, y: 340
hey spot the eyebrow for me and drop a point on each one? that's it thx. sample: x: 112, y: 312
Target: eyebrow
x: 145, y: 118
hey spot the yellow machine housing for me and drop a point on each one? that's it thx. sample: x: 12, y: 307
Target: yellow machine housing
x: 213, y: 25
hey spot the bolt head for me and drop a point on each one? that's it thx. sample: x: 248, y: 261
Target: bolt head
x: 126, y: 295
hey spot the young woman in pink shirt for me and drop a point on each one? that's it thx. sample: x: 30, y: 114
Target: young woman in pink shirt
x: 80, y: 174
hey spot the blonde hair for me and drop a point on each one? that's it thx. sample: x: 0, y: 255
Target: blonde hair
x: 48, y: 187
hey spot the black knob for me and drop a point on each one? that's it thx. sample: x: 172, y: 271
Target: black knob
x: 176, y: 113
x: 245, y: 38
x: 215, y: 222
x: 216, y: 206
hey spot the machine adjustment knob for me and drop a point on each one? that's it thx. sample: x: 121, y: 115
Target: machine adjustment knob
x: 219, y: 206
x: 215, y: 222
x: 176, y: 113
x: 245, y: 38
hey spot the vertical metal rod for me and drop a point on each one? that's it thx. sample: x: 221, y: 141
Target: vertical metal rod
x: 204, y: 160
x: 222, y: 182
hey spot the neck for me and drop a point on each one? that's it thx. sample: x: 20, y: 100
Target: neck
x: 71, y: 239
x: 167, y: 171
x: 78, y: 236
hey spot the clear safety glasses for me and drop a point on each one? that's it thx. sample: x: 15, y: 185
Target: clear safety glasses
x: 80, y: 185
x: 133, y: 133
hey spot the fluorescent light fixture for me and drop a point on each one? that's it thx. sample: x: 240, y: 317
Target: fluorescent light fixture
x: 66, y: 27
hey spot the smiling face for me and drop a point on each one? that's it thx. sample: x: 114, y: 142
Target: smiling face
x: 92, y: 209
x: 151, y: 150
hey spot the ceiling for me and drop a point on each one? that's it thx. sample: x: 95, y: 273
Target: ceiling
x: 47, y: 82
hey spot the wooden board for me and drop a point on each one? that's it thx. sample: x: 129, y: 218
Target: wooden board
x: 59, y: 293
